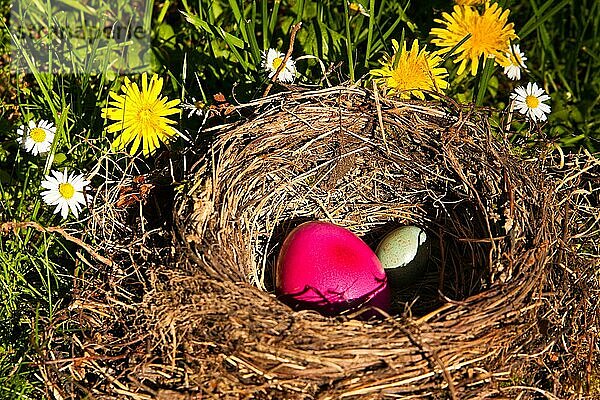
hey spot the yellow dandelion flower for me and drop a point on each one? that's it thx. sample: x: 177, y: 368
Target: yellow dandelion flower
x: 408, y: 73
x: 141, y: 116
x: 469, y: 2
x: 490, y: 35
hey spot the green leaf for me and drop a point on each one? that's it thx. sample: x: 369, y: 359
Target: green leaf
x: 239, y: 18
x: 59, y: 158
x: 163, y: 11
x: 214, y: 30
x: 166, y: 35
x: 250, y: 29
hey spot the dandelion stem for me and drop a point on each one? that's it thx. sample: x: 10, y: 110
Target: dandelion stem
x: 484, y: 78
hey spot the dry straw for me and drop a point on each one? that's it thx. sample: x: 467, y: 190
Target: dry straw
x: 503, y: 316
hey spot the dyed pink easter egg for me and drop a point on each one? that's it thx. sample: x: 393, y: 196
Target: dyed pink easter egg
x: 325, y: 267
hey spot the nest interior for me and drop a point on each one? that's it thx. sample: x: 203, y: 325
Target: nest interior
x: 480, y: 323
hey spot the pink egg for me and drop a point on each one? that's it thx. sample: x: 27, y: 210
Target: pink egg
x: 325, y: 267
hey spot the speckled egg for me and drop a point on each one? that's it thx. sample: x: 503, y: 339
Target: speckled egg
x: 404, y: 254
x: 325, y: 267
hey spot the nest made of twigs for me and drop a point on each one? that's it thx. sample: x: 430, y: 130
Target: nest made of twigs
x: 339, y: 156
x: 506, y: 312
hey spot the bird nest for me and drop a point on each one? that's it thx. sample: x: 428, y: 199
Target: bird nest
x: 484, y: 321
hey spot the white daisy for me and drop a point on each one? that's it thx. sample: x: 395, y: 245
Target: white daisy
x: 529, y: 101
x: 517, y: 61
x: 357, y: 8
x: 37, y: 138
x: 196, y: 107
x: 272, y: 59
x: 65, y: 192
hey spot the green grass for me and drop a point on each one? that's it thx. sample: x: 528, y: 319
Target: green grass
x: 218, y: 44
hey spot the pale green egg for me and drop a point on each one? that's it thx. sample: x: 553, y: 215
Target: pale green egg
x: 404, y: 254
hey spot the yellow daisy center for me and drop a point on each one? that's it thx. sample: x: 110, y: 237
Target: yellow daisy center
x: 66, y: 190
x: 532, y: 101
x: 38, y: 135
x: 277, y: 62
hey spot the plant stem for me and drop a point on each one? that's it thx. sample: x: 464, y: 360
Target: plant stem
x: 348, y: 42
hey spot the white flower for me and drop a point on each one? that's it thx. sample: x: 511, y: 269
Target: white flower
x: 517, y: 61
x: 529, y: 101
x: 272, y: 59
x: 37, y: 138
x: 357, y: 8
x: 196, y: 107
x: 65, y: 192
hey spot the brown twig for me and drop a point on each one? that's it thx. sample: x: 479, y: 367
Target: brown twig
x: 380, y: 116
x: 14, y: 226
x: 295, y: 29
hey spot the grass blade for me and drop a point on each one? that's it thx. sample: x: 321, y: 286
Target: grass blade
x: 381, y: 42
x: 348, y: 41
x: 273, y: 18
x: 540, y: 17
x: 265, y: 24
x: 239, y: 18
x: 452, y: 50
x: 370, y: 34
x: 214, y: 30
x: 250, y: 28
x: 300, y: 14
x: 484, y: 79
